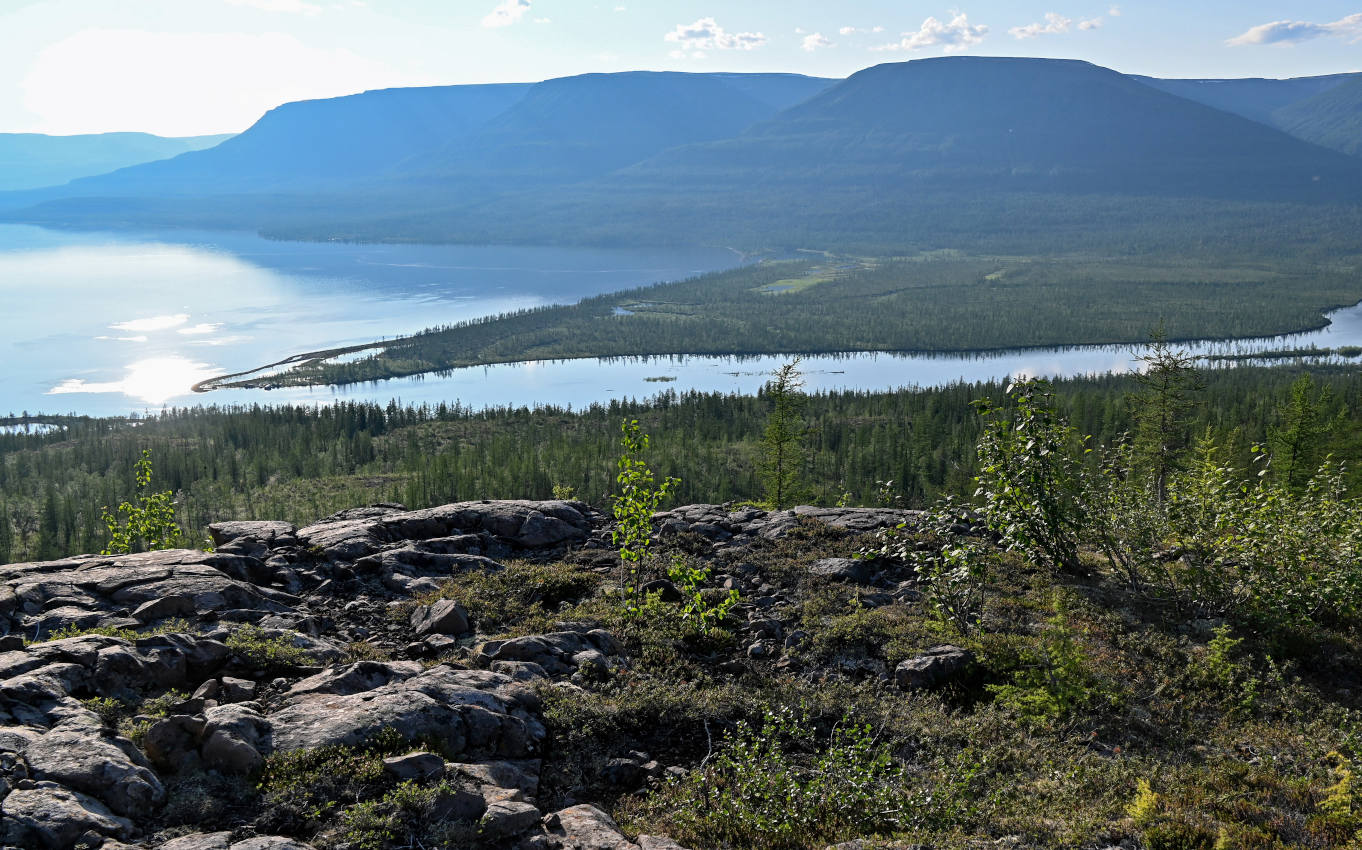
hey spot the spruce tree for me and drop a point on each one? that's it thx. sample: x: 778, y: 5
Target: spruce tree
x: 782, y: 442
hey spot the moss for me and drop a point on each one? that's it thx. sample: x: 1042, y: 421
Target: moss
x: 257, y: 649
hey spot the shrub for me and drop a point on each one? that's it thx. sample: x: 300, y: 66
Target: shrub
x: 407, y: 816
x: 774, y: 786
x: 637, y: 501
x: 146, y: 523
x: 257, y: 649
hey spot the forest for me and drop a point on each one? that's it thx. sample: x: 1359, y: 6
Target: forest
x: 300, y: 463
x: 938, y: 301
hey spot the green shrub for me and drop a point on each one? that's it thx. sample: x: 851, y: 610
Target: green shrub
x: 638, y: 499
x: 146, y: 523
x: 257, y: 649
x: 406, y: 816
x: 775, y: 785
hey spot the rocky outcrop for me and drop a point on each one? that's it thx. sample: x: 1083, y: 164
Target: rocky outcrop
x: 288, y: 639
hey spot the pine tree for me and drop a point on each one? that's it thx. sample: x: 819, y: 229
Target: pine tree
x: 1161, y: 410
x: 782, y: 443
x: 1298, y: 441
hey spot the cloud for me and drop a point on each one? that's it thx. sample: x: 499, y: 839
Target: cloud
x: 847, y: 31
x: 1291, y: 32
x: 1090, y: 24
x: 814, y: 41
x: 292, y: 7
x: 506, y: 13
x: 956, y: 35
x: 706, y: 34
x: 1054, y: 23
x: 1114, y: 12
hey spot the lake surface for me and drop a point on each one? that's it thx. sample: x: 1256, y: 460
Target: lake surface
x: 108, y: 324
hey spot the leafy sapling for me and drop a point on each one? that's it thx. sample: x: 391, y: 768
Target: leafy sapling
x: 639, y: 496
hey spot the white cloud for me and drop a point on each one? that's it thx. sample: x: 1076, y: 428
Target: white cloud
x: 952, y: 36
x: 1290, y: 32
x: 815, y: 41
x: 506, y: 13
x: 200, y: 329
x: 1054, y: 23
x: 705, y: 35
x: 187, y: 83
x: 847, y: 31
x: 543, y: 20
x: 1090, y: 24
x: 292, y: 7
x: 1114, y: 12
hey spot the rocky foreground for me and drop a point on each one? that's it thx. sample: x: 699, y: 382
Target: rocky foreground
x: 216, y: 665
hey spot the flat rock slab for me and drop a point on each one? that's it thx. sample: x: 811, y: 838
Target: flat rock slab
x: 523, y: 524
x: 103, y: 585
x: 719, y: 523
x: 472, y: 712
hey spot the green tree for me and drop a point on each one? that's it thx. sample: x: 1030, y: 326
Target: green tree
x: 639, y: 496
x: 145, y: 524
x: 782, y: 442
x: 1161, y: 410
x: 1297, y: 440
x: 1030, y: 482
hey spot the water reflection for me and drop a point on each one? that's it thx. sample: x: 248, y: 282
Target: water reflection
x: 155, y: 380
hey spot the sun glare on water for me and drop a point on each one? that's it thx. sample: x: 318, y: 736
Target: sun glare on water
x: 154, y: 381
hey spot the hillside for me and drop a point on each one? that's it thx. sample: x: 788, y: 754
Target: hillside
x: 1254, y: 98
x: 32, y: 160
x: 578, y: 127
x: 1332, y: 119
x: 1067, y: 663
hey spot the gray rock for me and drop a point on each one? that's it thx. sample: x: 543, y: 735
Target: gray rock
x: 932, y: 668
x: 236, y: 738
x: 50, y: 817
x: 443, y: 617
x: 175, y: 605
x: 657, y: 842
x: 585, y: 828
x: 469, y: 711
x: 507, y: 819
x: 270, y: 533
x: 414, y: 766
x: 842, y: 569
x: 83, y: 759
x: 522, y: 776
x: 201, y: 841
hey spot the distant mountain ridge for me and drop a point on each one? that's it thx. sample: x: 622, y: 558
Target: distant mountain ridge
x: 1325, y: 110
x: 677, y: 155
x: 34, y: 160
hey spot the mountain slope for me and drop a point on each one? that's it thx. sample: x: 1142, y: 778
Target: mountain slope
x: 1254, y: 98
x: 576, y: 127
x: 1332, y: 118
x: 32, y: 160
x: 319, y: 143
x: 1046, y: 124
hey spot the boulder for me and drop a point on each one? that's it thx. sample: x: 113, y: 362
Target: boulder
x: 443, y: 617
x: 842, y: 569
x: 933, y: 667
x: 85, y: 759
x: 50, y: 817
x: 585, y: 828
x: 236, y: 738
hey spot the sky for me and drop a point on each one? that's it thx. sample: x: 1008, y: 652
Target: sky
x: 189, y: 67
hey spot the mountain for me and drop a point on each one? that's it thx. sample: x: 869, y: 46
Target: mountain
x: 1014, y: 123
x: 576, y: 127
x: 312, y: 144
x: 31, y: 160
x: 956, y: 145
x: 1255, y: 98
x: 1332, y: 118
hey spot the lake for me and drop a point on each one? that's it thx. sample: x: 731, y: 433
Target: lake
x: 108, y: 324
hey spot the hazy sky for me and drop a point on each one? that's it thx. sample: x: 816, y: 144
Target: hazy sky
x: 181, y: 67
